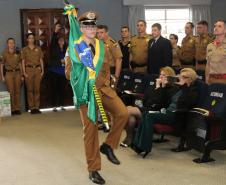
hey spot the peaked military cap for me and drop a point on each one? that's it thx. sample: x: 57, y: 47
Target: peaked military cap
x: 88, y: 18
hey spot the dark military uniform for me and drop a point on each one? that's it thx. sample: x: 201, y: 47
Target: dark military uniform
x: 114, y: 53
x: 33, y: 69
x: 187, y: 53
x: 201, y: 44
x: 139, y: 53
x: 125, y: 53
x: 176, y: 60
x: 216, y: 62
x: 12, y: 62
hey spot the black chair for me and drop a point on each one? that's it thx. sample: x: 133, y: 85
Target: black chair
x: 206, y: 128
x: 150, y: 80
x: 201, y: 74
x: 125, y: 81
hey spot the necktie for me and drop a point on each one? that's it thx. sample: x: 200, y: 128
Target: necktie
x: 153, y: 43
x: 92, y: 48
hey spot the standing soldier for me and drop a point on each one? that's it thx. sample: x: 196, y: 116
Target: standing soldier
x: 176, y: 51
x: 201, y: 43
x: 216, y: 55
x: 124, y: 44
x: 83, y: 47
x: 33, y: 69
x: 115, y: 54
x: 187, y: 53
x: 11, y: 61
x: 139, y: 48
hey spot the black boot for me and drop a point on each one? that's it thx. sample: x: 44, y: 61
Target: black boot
x: 107, y: 150
x: 95, y: 177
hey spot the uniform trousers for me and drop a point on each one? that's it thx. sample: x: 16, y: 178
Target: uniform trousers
x: 13, y: 82
x: 33, y: 82
x: 119, y: 113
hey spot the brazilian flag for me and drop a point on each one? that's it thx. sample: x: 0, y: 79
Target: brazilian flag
x: 85, y: 67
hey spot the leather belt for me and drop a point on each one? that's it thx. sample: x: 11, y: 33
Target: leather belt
x: 218, y: 76
x: 12, y: 70
x: 184, y: 62
x: 134, y: 65
x: 201, y: 61
x: 33, y: 66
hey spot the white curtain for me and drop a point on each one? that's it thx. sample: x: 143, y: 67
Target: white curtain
x: 135, y: 13
x: 201, y: 12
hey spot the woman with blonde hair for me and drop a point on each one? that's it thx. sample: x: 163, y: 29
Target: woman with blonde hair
x: 154, y: 99
x: 185, y: 98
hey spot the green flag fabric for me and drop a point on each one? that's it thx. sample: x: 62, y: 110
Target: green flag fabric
x: 83, y: 76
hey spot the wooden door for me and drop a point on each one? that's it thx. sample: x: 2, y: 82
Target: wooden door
x: 41, y: 22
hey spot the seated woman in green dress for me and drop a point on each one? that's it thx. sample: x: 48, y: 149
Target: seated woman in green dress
x: 185, y: 99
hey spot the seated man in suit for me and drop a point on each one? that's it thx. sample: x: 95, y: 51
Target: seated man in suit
x: 159, y: 51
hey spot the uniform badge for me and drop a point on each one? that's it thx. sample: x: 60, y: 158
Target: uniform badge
x: 91, y: 15
x: 36, y: 49
x: 213, y: 102
x: 129, y: 45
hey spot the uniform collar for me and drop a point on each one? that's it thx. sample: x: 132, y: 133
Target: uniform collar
x: 33, y: 48
x: 7, y: 51
x: 142, y: 36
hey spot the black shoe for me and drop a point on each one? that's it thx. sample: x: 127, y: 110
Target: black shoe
x: 136, y: 149
x: 54, y: 109
x: 180, y: 149
x: 107, y: 150
x: 33, y: 111
x: 62, y: 108
x: 146, y: 153
x: 13, y: 112
x: 37, y: 111
x: 17, y: 112
x: 96, y: 178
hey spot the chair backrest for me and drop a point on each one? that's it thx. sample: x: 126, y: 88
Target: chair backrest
x: 125, y: 81
x: 201, y: 74
x: 203, y: 92
x: 150, y: 80
x: 215, y: 101
x: 139, y: 81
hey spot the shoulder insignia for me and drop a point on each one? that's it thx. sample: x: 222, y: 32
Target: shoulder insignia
x: 113, y: 41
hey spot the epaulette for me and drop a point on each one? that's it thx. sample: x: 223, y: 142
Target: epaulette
x: 112, y: 40
x: 133, y: 36
x: 211, y: 35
